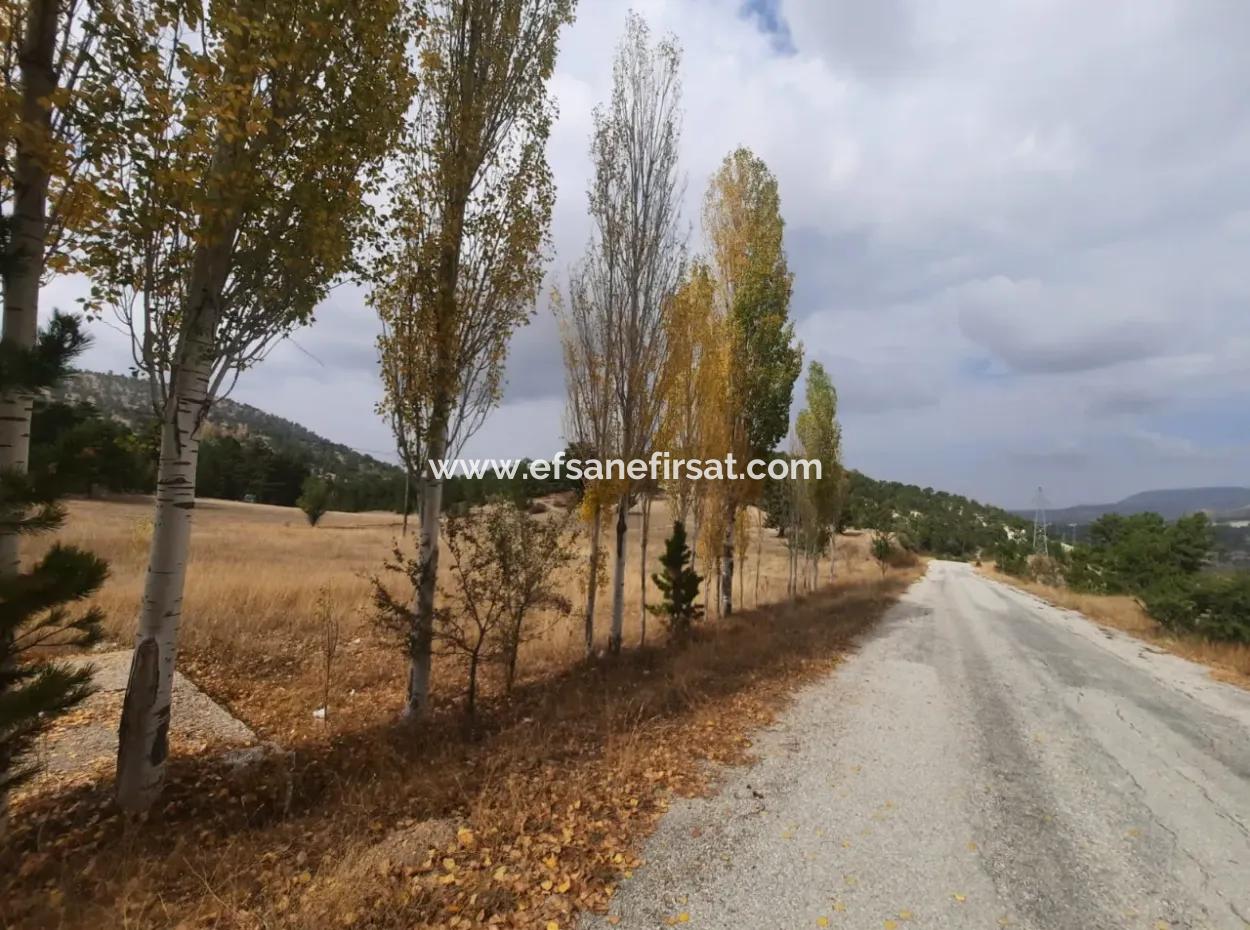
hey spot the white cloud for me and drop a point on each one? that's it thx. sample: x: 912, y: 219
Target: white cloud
x: 1017, y: 229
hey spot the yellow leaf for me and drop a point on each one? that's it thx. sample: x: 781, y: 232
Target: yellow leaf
x: 683, y: 918
x: 839, y: 906
x: 822, y: 921
x: 563, y: 886
x: 904, y: 915
x: 553, y: 925
x: 890, y: 924
x: 465, y: 837
x: 960, y: 898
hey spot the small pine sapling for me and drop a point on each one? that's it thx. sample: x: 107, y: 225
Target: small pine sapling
x: 679, y: 584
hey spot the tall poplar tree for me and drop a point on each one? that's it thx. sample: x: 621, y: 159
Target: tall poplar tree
x: 256, y: 132
x: 636, y: 254
x: 821, y: 438
x: 463, y: 257
x: 743, y: 225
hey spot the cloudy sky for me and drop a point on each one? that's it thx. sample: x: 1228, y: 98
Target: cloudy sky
x: 1020, y: 234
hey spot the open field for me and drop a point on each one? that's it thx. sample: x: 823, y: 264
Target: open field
x: 1228, y: 661
x: 251, y: 636
x: 534, y: 815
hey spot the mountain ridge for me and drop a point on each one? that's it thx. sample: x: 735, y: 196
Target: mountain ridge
x: 1217, y: 501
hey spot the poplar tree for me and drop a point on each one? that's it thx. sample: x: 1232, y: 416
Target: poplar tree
x: 463, y: 257
x: 743, y: 225
x: 821, y: 438
x: 256, y: 132
x: 636, y: 255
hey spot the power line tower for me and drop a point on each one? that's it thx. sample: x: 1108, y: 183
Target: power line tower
x: 1041, y: 544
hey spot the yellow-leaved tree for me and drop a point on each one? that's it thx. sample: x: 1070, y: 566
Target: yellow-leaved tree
x: 462, y: 258
x: 257, y: 131
x: 752, y: 284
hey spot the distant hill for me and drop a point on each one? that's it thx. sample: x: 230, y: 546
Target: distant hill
x: 127, y: 399
x: 1172, y: 504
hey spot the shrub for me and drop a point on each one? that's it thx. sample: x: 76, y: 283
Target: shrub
x: 1214, y: 606
x: 315, y: 498
x: 882, y: 549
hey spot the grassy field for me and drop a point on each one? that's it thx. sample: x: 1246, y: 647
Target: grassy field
x: 1228, y: 661
x: 525, y: 820
x: 251, y: 634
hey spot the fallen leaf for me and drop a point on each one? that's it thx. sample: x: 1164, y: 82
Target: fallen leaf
x: 822, y: 921
x: 959, y: 898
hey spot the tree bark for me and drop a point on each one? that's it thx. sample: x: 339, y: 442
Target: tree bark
x: 592, y: 582
x: 143, y: 735
x: 24, y: 261
x: 727, y: 564
x: 421, y: 632
x: 618, y: 578
x: 642, y: 568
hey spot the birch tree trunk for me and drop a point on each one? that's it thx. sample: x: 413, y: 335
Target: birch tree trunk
x: 24, y: 261
x: 143, y: 735
x: 421, y: 632
x: 592, y: 582
x: 618, y: 578
x: 642, y: 568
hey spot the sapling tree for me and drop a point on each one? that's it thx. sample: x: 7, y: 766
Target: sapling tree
x: 505, y: 567
x: 679, y: 584
x: 463, y: 257
x: 256, y: 134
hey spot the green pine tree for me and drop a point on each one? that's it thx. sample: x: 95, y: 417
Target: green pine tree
x: 679, y: 583
x: 38, y: 606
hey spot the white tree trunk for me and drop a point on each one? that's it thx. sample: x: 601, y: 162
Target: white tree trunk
x: 618, y: 578
x: 24, y: 261
x: 421, y: 633
x: 143, y: 736
x: 592, y: 578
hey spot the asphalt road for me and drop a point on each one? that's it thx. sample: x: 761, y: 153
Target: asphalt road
x: 983, y: 760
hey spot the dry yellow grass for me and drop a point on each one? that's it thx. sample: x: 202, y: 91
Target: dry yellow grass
x: 1228, y: 661
x: 256, y: 572
x: 575, y: 767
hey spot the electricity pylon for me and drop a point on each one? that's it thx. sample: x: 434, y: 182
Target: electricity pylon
x: 1041, y: 544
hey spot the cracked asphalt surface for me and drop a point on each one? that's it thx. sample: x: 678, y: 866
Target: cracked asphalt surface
x: 983, y: 760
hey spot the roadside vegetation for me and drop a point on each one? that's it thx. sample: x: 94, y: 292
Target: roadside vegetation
x: 472, y: 724
x: 1149, y: 577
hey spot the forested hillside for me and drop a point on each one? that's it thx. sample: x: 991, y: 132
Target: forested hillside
x: 126, y: 398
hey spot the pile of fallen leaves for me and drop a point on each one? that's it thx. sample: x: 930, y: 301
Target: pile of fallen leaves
x: 534, y: 815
